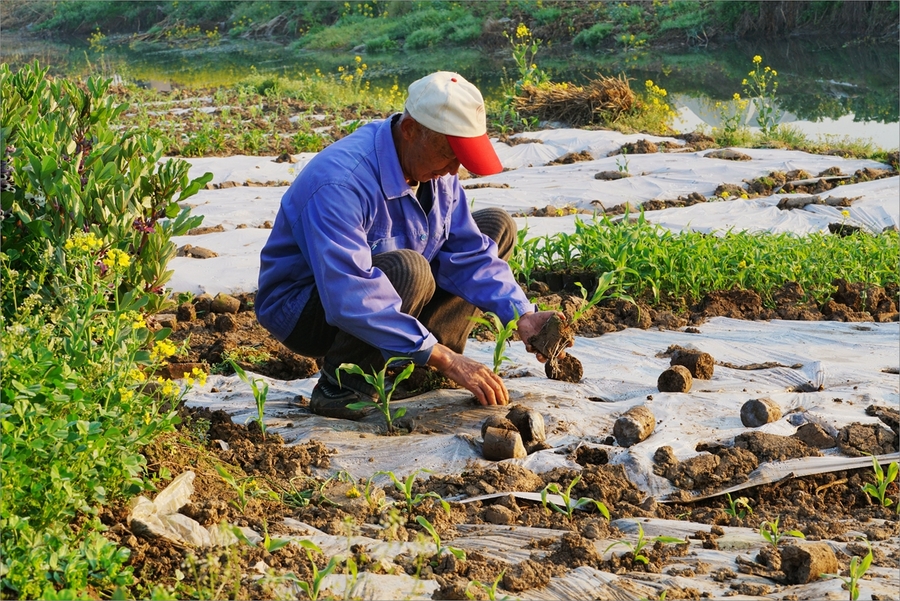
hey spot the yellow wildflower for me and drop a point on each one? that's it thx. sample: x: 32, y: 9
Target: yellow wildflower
x: 743, y: 82
x: 117, y: 259
x: 757, y: 59
x: 358, y: 58
x: 742, y: 264
x: 737, y: 96
x: 774, y: 72
x: 353, y: 493
x: 845, y: 213
x: 522, y: 31
x: 126, y: 395
x: 200, y: 375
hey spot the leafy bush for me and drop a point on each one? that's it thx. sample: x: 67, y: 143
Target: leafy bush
x: 423, y: 38
x: 71, y: 172
x: 88, y: 217
x: 593, y: 37
x: 382, y: 43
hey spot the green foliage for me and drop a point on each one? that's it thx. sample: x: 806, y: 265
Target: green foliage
x: 738, y: 508
x: 405, y: 488
x: 260, y: 390
x: 857, y: 569
x: 761, y: 86
x: 458, y: 553
x: 502, y: 335
x: 667, y: 267
x: 593, y: 37
x: 489, y: 589
x: 603, y: 284
x: 313, y: 587
x: 638, y: 546
x: 377, y: 380
x: 71, y: 172
x: 75, y: 405
x: 882, y: 481
x: 569, y: 505
x: 769, y: 531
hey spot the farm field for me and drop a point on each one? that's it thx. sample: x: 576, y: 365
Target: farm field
x: 731, y: 429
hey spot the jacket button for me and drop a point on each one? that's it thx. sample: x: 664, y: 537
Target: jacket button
x: 423, y: 237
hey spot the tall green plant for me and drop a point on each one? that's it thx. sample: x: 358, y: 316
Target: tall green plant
x: 761, y: 85
x: 72, y: 172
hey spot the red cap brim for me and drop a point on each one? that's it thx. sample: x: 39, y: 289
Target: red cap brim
x: 476, y: 154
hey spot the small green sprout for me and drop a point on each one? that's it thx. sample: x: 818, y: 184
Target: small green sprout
x: 405, y: 487
x: 882, y: 481
x: 314, y: 587
x: 458, y: 553
x: 570, y: 507
x: 272, y: 544
x: 259, y: 394
x: 642, y: 542
x: 378, y: 382
x: 502, y: 335
x: 603, y: 285
x: 770, y: 532
x: 738, y: 508
x: 491, y: 590
x: 240, y: 488
x: 858, y: 567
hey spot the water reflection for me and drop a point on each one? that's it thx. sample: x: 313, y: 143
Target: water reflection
x: 842, y: 91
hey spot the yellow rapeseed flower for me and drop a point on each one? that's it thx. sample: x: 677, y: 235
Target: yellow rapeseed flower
x: 742, y: 264
x: 358, y: 58
x: 845, y: 213
x: 743, y: 82
x: 522, y: 31
x: 774, y: 72
x: 757, y: 59
x: 737, y: 96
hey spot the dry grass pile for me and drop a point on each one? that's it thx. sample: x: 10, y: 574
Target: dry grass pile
x: 602, y: 100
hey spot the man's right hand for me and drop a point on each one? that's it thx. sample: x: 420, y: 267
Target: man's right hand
x: 475, y: 377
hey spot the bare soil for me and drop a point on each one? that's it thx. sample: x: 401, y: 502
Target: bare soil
x: 823, y: 506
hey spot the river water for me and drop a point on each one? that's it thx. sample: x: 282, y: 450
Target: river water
x: 851, y: 91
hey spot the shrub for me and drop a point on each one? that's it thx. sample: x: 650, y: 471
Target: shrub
x: 423, y: 38
x: 88, y: 218
x: 592, y: 38
x: 70, y: 172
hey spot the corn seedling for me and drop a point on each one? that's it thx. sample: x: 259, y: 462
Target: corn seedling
x: 770, y: 532
x: 313, y: 587
x: 490, y: 590
x: 272, y: 544
x: 382, y: 401
x: 603, y: 284
x: 858, y: 568
x: 405, y: 487
x: 623, y: 165
x: 260, y: 390
x: 642, y: 542
x: 570, y: 507
x: 458, y: 553
x: 240, y: 488
x: 882, y: 481
x: 738, y: 508
x: 502, y: 334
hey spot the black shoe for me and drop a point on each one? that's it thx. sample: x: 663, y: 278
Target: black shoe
x: 330, y: 400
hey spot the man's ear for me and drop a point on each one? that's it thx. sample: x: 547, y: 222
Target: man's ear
x: 409, y: 128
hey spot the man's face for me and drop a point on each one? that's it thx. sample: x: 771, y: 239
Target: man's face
x: 429, y: 156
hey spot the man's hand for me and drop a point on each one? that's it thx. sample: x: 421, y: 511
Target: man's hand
x: 530, y: 325
x: 475, y: 377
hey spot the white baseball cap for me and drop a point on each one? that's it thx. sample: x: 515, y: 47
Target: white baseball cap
x: 446, y: 103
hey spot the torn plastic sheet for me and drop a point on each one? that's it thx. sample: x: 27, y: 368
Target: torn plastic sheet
x: 847, y: 359
x: 160, y: 517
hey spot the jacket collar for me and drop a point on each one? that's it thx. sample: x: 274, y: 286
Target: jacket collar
x: 393, y: 182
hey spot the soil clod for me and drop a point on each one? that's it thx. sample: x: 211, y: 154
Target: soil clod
x: 564, y: 369
x: 758, y: 412
x: 634, y: 426
x: 500, y: 444
x: 803, y: 564
x: 529, y: 423
x: 700, y: 364
x: 675, y: 379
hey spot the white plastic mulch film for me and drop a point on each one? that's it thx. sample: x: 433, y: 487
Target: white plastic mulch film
x: 850, y: 365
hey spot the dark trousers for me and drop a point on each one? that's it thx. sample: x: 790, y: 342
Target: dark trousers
x: 443, y: 314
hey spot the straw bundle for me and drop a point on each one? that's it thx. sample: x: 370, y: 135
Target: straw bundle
x: 600, y: 101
